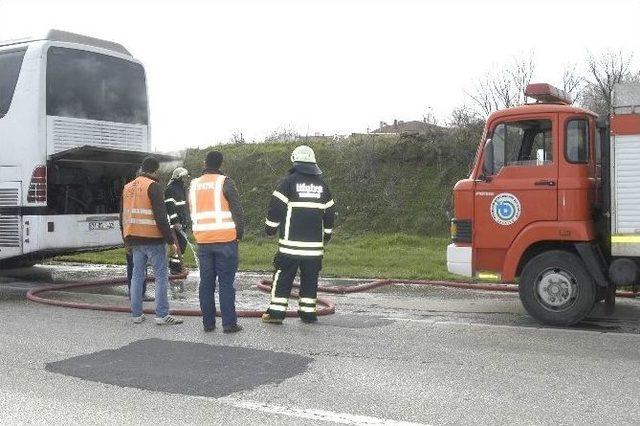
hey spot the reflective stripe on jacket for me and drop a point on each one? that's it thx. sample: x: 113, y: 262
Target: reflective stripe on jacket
x: 175, y: 201
x: 303, y: 212
x: 211, y: 217
x: 137, y: 211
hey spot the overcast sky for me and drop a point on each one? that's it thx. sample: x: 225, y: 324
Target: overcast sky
x: 216, y: 68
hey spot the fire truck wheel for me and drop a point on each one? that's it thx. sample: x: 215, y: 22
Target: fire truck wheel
x: 556, y: 289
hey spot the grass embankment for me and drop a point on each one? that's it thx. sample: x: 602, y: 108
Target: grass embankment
x: 382, y: 185
x: 388, y: 256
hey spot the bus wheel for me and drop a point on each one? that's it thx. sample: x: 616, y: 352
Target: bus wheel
x: 556, y: 289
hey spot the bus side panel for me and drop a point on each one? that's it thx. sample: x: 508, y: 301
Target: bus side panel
x: 63, y: 233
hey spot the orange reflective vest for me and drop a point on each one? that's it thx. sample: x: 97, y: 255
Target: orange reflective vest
x: 210, y: 215
x: 137, y: 212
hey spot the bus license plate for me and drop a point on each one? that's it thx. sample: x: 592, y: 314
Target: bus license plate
x: 102, y: 225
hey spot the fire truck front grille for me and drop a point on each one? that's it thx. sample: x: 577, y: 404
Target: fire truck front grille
x: 66, y: 133
x: 461, y: 231
x: 9, y: 231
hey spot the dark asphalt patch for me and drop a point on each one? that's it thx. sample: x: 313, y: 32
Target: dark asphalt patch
x: 184, y: 367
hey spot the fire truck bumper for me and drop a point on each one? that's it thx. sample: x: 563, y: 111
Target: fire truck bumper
x: 459, y: 260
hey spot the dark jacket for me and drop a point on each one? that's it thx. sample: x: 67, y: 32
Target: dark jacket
x: 159, y: 214
x: 175, y: 200
x: 231, y: 193
x: 302, y: 211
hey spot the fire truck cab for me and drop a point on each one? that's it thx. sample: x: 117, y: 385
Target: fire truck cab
x: 553, y: 201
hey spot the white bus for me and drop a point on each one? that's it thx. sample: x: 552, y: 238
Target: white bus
x: 74, y: 127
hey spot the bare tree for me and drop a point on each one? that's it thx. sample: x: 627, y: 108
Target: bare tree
x: 573, y: 83
x: 604, y: 71
x: 482, y: 96
x: 504, y: 88
x: 521, y: 74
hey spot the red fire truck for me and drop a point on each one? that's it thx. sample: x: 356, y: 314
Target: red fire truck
x: 553, y: 201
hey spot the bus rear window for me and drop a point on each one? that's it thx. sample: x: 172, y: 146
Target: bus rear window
x: 93, y: 86
x: 10, y: 64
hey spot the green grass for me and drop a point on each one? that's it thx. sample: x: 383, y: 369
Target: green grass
x: 380, y: 256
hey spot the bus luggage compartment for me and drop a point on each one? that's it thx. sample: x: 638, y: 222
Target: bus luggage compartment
x: 89, y: 179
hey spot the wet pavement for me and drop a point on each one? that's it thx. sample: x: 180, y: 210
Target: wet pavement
x: 398, y: 302
x: 425, y: 355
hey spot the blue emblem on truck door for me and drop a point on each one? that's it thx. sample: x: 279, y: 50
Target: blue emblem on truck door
x: 505, y: 209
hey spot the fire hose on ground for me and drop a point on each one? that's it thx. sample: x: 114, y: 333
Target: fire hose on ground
x: 327, y: 307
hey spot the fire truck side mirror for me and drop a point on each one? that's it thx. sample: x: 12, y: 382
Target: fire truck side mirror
x: 487, y: 163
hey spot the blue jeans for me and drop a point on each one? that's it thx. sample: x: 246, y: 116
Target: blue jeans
x: 130, y: 274
x: 218, y: 261
x: 157, y: 255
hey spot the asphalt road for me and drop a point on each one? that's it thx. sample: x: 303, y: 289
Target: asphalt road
x: 428, y: 356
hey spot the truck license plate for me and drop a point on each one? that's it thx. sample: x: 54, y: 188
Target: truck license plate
x: 102, y: 225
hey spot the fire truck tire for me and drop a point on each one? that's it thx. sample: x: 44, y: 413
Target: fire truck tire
x: 556, y: 289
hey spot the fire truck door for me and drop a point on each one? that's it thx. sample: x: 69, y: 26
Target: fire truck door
x: 517, y: 187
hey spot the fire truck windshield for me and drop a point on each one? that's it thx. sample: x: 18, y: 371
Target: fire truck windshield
x: 93, y: 86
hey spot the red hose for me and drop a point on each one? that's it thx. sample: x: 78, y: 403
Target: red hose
x: 327, y: 306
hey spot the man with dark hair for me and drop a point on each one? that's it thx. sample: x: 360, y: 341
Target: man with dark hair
x: 145, y: 230
x: 218, y: 224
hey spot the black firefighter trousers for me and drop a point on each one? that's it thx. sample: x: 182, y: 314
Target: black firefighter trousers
x: 286, y: 269
x: 175, y: 265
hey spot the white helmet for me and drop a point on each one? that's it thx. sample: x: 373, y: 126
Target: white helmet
x: 179, y: 172
x: 303, y: 154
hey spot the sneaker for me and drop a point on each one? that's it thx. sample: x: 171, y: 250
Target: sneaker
x: 209, y: 329
x: 232, y: 328
x: 146, y: 298
x: 138, y: 320
x: 168, y: 320
x: 268, y: 319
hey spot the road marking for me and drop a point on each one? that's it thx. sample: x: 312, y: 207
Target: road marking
x: 313, y: 414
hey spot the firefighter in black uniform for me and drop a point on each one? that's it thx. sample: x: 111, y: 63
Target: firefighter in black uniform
x: 302, y: 211
x: 175, y: 200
